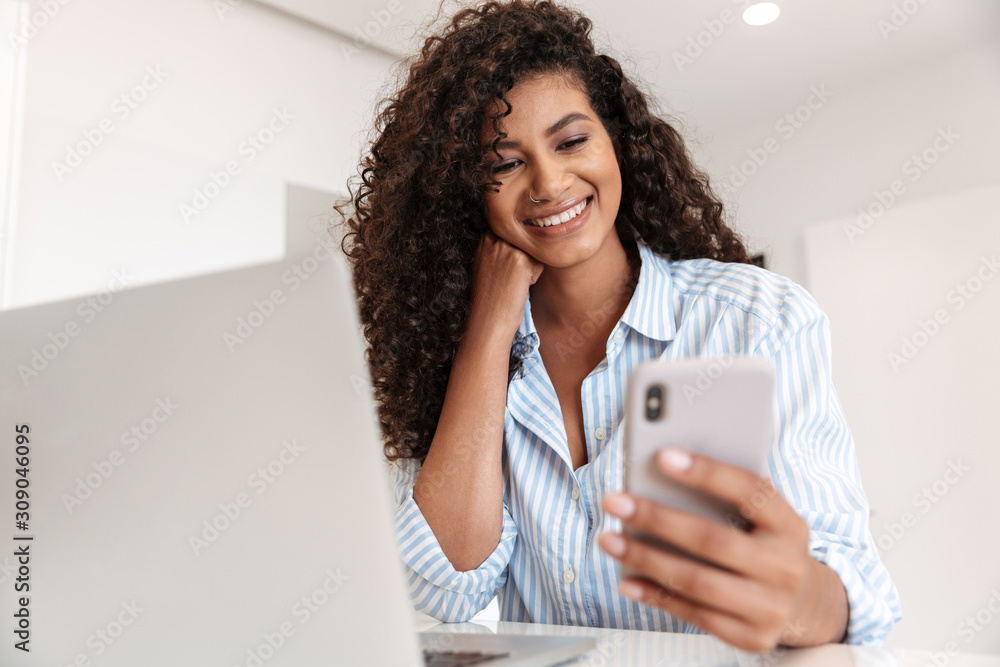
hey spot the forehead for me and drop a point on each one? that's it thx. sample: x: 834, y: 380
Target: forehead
x: 536, y: 103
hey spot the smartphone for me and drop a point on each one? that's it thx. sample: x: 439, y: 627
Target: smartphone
x: 721, y: 407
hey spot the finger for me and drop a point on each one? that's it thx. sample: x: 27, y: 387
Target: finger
x: 756, y: 498
x: 732, y: 630
x: 698, y: 583
x: 724, y: 545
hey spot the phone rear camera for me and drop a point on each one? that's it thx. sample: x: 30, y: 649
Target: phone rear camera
x: 654, y: 402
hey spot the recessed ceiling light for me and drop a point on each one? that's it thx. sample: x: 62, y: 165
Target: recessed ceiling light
x: 761, y: 13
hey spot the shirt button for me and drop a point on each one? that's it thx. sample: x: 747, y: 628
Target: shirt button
x: 617, y: 338
x: 575, y: 493
x: 600, y: 433
x: 568, y: 575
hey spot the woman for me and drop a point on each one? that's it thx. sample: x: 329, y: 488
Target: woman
x: 526, y: 232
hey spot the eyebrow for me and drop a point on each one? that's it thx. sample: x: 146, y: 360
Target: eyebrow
x: 558, y: 125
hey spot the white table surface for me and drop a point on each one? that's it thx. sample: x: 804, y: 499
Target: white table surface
x: 663, y: 649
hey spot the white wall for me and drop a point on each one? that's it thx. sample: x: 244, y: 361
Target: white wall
x: 223, y: 75
x: 908, y: 425
x: 914, y: 302
x: 855, y: 144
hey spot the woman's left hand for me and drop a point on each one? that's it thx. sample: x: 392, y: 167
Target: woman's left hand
x: 767, y: 588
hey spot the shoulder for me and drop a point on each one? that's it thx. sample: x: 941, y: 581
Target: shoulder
x: 773, y: 298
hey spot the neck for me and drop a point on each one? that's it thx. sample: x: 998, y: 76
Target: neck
x: 597, y: 290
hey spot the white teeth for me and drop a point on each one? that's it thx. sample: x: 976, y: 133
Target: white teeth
x: 565, y: 216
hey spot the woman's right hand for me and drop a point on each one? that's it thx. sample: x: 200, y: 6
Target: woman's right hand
x: 502, y: 275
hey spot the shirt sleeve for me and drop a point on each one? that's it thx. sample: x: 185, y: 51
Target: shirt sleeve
x: 436, y: 588
x: 814, y: 466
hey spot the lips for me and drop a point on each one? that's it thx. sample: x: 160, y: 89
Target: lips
x: 560, y: 217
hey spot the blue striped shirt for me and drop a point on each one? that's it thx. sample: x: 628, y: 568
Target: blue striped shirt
x: 548, y: 567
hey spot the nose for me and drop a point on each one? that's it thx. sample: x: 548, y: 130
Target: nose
x: 549, y: 179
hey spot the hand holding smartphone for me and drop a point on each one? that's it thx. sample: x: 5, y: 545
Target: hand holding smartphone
x: 722, y: 408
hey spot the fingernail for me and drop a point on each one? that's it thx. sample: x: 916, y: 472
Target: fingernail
x: 631, y: 590
x: 675, y: 459
x: 619, y: 505
x: 613, y: 543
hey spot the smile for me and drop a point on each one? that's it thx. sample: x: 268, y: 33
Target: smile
x: 562, y: 218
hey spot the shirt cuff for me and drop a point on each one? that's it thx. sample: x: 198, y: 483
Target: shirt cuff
x: 422, y: 553
x: 869, y: 615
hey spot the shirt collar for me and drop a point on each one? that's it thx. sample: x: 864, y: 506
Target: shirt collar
x: 648, y: 312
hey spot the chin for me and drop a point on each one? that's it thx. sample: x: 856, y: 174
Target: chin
x: 566, y: 254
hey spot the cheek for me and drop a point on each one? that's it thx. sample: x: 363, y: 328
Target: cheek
x: 611, y: 168
x: 613, y: 179
x: 603, y: 167
x: 499, y: 212
x: 492, y: 214
x: 505, y: 230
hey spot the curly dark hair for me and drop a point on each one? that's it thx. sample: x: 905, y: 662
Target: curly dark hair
x: 420, y: 209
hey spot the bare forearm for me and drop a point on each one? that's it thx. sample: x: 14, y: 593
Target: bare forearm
x: 459, y: 488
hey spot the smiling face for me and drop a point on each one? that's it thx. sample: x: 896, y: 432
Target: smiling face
x: 557, y: 151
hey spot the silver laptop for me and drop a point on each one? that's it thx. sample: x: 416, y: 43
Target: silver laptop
x: 192, y: 475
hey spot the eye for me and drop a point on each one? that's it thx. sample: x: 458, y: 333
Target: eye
x: 574, y: 142
x: 505, y: 167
